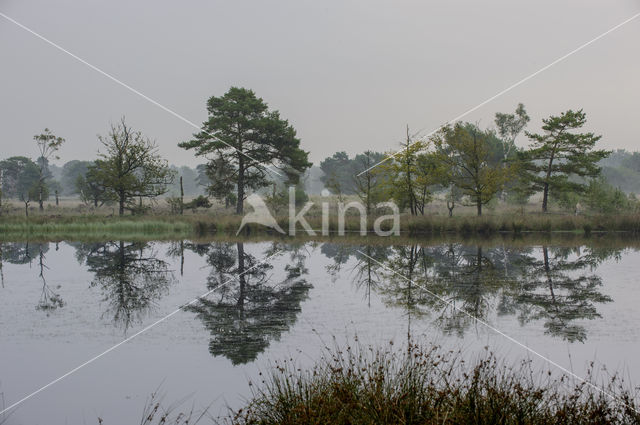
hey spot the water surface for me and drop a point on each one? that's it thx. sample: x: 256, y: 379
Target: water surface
x: 62, y: 303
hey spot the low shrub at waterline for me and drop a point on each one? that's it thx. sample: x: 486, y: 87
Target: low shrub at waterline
x: 418, y: 385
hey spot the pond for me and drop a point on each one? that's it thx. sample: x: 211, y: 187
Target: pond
x: 63, y: 304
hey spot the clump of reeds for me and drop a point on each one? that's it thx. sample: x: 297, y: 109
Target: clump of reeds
x: 426, y: 385
x: 155, y: 414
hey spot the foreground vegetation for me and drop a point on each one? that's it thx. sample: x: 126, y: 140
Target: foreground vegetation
x: 426, y: 385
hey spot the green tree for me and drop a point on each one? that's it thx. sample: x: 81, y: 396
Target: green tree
x: 410, y: 174
x: 463, y: 154
x: 604, y: 198
x: 21, y: 179
x: 559, y: 154
x: 338, y: 174
x: 91, y: 187
x: 367, y: 179
x: 248, y: 137
x: 131, y: 167
x: 48, y: 144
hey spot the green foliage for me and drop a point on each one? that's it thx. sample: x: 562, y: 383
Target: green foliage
x: 338, y: 174
x: 198, y: 202
x: 91, y: 188
x: 369, y: 182
x: 221, y: 182
x: 604, y: 198
x: 409, y: 176
x: 464, y: 157
x: 21, y: 180
x: 130, y: 168
x: 558, y: 154
x: 341, y: 174
x: 244, y: 135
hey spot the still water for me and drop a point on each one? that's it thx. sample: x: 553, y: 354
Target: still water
x: 64, y: 303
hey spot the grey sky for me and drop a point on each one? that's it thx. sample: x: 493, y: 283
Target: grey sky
x: 348, y: 75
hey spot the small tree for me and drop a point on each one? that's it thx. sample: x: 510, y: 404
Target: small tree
x: 48, y: 144
x: 509, y: 127
x: 462, y: 153
x: 410, y: 175
x: 559, y: 153
x: 131, y: 169
x: 367, y: 182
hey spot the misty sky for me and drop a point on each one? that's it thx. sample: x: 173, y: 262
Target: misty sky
x: 349, y: 75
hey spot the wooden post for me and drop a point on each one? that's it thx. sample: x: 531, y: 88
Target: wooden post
x: 181, y: 197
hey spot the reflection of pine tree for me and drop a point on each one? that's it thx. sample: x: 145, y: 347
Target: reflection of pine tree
x: 558, y: 291
x: 340, y: 254
x: 130, y: 276
x: 244, y: 315
x: 404, y: 288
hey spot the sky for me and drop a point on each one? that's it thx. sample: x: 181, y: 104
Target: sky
x: 348, y: 75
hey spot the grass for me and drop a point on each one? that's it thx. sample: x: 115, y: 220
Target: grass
x: 189, y: 226
x: 93, y: 228
x: 424, y: 385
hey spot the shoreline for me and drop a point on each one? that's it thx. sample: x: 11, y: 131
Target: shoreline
x: 149, y: 227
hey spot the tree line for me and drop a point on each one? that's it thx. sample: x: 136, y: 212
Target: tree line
x: 474, y: 166
x: 247, y: 147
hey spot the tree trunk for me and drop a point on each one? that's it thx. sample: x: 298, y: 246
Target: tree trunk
x: 121, y: 198
x: 40, y: 202
x: 241, y: 274
x: 26, y: 209
x: 240, y: 202
x: 57, y: 201
x: 479, y: 206
x: 545, y: 197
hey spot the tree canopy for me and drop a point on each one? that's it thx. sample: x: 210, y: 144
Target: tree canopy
x: 465, y: 160
x: 559, y: 154
x: 245, y: 137
x: 131, y: 167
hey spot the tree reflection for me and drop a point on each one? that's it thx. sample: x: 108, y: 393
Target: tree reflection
x: 28, y: 253
x: 561, y: 291
x: 49, y: 299
x: 458, y: 284
x: 248, y: 308
x: 130, y: 276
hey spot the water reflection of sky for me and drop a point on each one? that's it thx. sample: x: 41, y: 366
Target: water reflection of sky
x: 61, y: 304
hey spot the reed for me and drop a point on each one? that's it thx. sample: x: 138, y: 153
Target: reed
x: 426, y: 385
